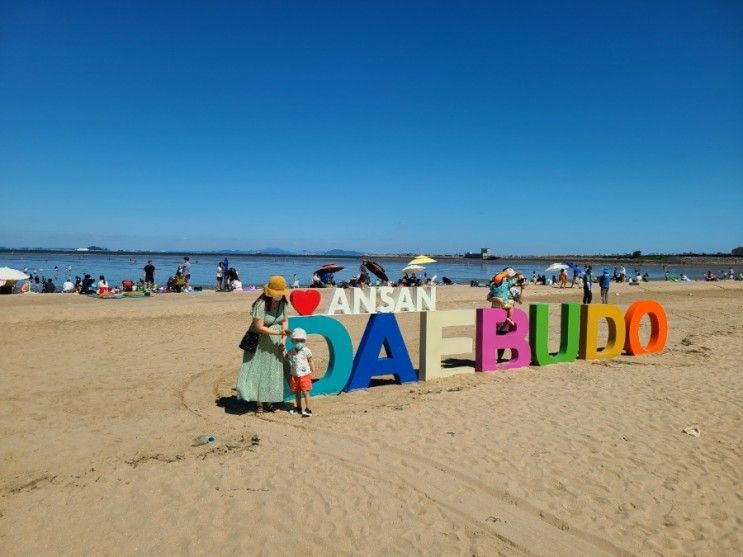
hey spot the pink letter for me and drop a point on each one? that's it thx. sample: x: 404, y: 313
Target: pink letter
x: 489, y: 341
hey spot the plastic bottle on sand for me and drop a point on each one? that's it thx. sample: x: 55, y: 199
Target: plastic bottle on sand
x: 204, y: 440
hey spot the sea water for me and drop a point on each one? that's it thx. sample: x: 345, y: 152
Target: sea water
x: 255, y: 270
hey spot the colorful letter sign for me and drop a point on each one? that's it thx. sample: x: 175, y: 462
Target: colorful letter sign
x: 579, y: 333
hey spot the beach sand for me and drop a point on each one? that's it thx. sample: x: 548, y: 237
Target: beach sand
x: 102, y: 398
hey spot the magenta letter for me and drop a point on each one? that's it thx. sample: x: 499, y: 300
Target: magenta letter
x: 488, y: 342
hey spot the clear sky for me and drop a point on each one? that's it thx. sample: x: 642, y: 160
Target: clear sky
x: 528, y: 127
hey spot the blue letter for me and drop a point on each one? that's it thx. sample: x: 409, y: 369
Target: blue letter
x: 381, y: 331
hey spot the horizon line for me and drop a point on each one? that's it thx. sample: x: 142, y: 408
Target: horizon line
x: 354, y: 254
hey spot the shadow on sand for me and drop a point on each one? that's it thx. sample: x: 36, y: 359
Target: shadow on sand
x: 237, y: 407
x: 233, y: 405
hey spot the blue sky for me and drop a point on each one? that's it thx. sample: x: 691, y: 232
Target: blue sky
x: 532, y: 128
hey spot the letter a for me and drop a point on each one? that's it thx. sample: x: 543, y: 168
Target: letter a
x: 381, y: 331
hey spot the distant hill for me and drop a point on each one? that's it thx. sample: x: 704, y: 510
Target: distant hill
x: 271, y: 251
x: 343, y: 253
x: 329, y: 253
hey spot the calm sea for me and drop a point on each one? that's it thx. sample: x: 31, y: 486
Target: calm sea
x: 255, y: 270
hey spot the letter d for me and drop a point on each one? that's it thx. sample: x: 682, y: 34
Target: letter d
x: 340, y: 351
x: 589, y: 331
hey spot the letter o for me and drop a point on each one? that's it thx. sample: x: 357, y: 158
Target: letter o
x: 658, y: 327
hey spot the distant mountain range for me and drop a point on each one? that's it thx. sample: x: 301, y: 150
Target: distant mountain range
x: 281, y: 251
x: 636, y: 256
x: 343, y: 253
x: 264, y: 251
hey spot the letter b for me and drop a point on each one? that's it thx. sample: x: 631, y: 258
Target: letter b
x: 488, y: 342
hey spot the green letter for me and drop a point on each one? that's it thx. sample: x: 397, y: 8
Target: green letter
x: 539, y: 334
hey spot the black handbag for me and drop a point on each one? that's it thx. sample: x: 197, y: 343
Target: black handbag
x: 249, y: 343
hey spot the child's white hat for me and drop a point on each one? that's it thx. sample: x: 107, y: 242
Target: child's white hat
x: 299, y: 334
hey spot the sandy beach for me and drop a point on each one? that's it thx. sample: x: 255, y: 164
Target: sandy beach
x: 102, y: 398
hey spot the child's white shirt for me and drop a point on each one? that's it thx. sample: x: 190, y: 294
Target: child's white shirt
x: 299, y: 362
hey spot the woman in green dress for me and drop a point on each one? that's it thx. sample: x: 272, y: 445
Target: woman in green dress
x: 261, y: 376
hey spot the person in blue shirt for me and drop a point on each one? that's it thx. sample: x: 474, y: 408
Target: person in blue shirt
x: 604, y: 282
x: 327, y: 279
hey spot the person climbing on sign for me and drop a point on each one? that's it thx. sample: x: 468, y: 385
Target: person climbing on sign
x: 499, y: 294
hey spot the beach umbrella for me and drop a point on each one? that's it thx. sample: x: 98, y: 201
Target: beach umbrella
x: 421, y: 260
x: 413, y: 269
x: 6, y: 273
x: 375, y: 269
x: 329, y: 268
x: 556, y: 267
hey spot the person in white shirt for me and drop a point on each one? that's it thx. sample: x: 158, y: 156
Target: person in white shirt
x: 220, y: 275
x: 301, y: 370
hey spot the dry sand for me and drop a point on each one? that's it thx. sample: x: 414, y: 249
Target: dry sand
x: 101, y: 399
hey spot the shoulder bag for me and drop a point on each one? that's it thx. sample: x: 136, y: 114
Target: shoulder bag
x: 249, y: 343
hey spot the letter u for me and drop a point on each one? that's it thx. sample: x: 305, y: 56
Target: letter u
x: 539, y: 334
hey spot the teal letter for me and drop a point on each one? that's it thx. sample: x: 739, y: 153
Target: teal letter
x: 339, y: 346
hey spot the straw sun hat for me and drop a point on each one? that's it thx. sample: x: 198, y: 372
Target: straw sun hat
x: 276, y: 286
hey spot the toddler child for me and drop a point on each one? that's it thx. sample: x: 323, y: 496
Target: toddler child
x: 301, y: 370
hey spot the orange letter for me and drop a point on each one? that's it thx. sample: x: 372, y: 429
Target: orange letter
x: 658, y: 327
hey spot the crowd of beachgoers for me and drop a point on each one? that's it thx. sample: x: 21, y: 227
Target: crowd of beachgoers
x: 87, y: 285
x: 619, y: 274
x: 227, y: 279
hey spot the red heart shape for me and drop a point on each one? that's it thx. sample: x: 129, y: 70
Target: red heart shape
x: 305, y: 301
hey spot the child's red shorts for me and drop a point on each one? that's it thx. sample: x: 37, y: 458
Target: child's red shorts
x: 300, y: 384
